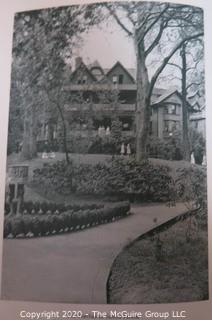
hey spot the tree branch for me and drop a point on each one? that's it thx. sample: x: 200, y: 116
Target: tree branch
x: 174, y: 65
x: 166, y: 60
x: 154, y: 22
x: 129, y: 33
x: 157, y: 39
x: 193, y: 84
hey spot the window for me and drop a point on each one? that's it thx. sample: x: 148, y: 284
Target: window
x: 84, y: 79
x: 170, y: 109
x: 115, y: 79
x: 170, y: 125
x: 121, y: 78
x: 166, y: 126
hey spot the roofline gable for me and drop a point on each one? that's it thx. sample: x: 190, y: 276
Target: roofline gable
x: 166, y: 96
x: 86, y: 68
x: 118, y: 63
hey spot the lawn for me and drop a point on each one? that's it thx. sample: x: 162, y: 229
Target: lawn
x: 177, y: 271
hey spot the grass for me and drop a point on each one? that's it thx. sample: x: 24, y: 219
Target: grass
x: 180, y: 274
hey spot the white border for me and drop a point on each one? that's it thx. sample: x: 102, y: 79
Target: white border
x: 7, y: 10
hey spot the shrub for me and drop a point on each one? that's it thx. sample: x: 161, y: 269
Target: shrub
x: 42, y: 208
x: 197, y: 142
x: 17, y: 226
x: 27, y: 221
x: 169, y: 148
x: 192, y: 186
x: 143, y: 180
x: 47, y: 224
x: 7, y: 227
x: 122, y: 177
x: 36, y: 224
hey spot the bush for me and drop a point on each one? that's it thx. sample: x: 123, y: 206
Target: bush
x: 122, y: 177
x: 110, y: 144
x: 191, y: 186
x: 47, y: 224
x: 191, y: 189
x: 169, y: 148
x: 7, y: 227
x: 17, y: 226
x: 197, y: 145
x: 42, y: 208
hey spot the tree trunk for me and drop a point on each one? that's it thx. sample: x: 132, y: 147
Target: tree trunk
x: 185, y: 136
x: 64, y: 134
x: 142, y: 114
x: 29, y: 146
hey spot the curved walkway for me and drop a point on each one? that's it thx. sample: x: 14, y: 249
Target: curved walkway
x: 73, y: 267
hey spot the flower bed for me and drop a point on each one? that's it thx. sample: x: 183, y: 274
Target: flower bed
x: 72, y: 219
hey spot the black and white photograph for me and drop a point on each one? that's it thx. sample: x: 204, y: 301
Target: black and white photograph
x: 106, y: 179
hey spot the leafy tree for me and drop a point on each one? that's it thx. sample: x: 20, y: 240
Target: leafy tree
x: 43, y: 41
x: 190, y: 67
x: 116, y: 131
x: 147, y: 24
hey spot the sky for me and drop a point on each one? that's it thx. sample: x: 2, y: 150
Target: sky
x: 107, y: 45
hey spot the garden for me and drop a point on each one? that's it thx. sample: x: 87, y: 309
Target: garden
x: 91, y: 195
x: 170, y: 263
x: 41, y: 219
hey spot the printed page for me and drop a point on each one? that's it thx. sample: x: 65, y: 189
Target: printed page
x: 105, y: 161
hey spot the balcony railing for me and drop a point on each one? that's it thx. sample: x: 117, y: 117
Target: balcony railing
x: 101, y: 107
x: 100, y: 87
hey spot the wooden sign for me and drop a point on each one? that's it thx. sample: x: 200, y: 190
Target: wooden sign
x: 18, y: 173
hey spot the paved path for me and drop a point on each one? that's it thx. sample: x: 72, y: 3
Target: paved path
x: 73, y: 267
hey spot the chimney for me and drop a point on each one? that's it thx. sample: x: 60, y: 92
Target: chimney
x: 78, y: 61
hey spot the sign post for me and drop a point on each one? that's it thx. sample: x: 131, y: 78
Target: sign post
x: 17, y: 177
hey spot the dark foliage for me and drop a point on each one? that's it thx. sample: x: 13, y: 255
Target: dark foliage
x: 40, y: 225
x: 43, y: 208
x: 123, y: 177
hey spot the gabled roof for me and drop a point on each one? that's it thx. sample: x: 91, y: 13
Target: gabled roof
x: 95, y: 64
x: 197, y: 101
x: 83, y: 65
x: 167, y: 94
x: 119, y: 64
x: 197, y: 115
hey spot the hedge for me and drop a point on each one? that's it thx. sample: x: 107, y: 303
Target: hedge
x: 121, y: 177
x: 41, y: 225
x: 39, y: 208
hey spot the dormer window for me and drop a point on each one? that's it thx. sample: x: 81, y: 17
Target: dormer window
x: 115, y: 79
x: 170, y: 109
x: 121, y: 78
x: 84, y: 79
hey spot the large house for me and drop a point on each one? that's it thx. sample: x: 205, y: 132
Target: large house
x: 105, y: 93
